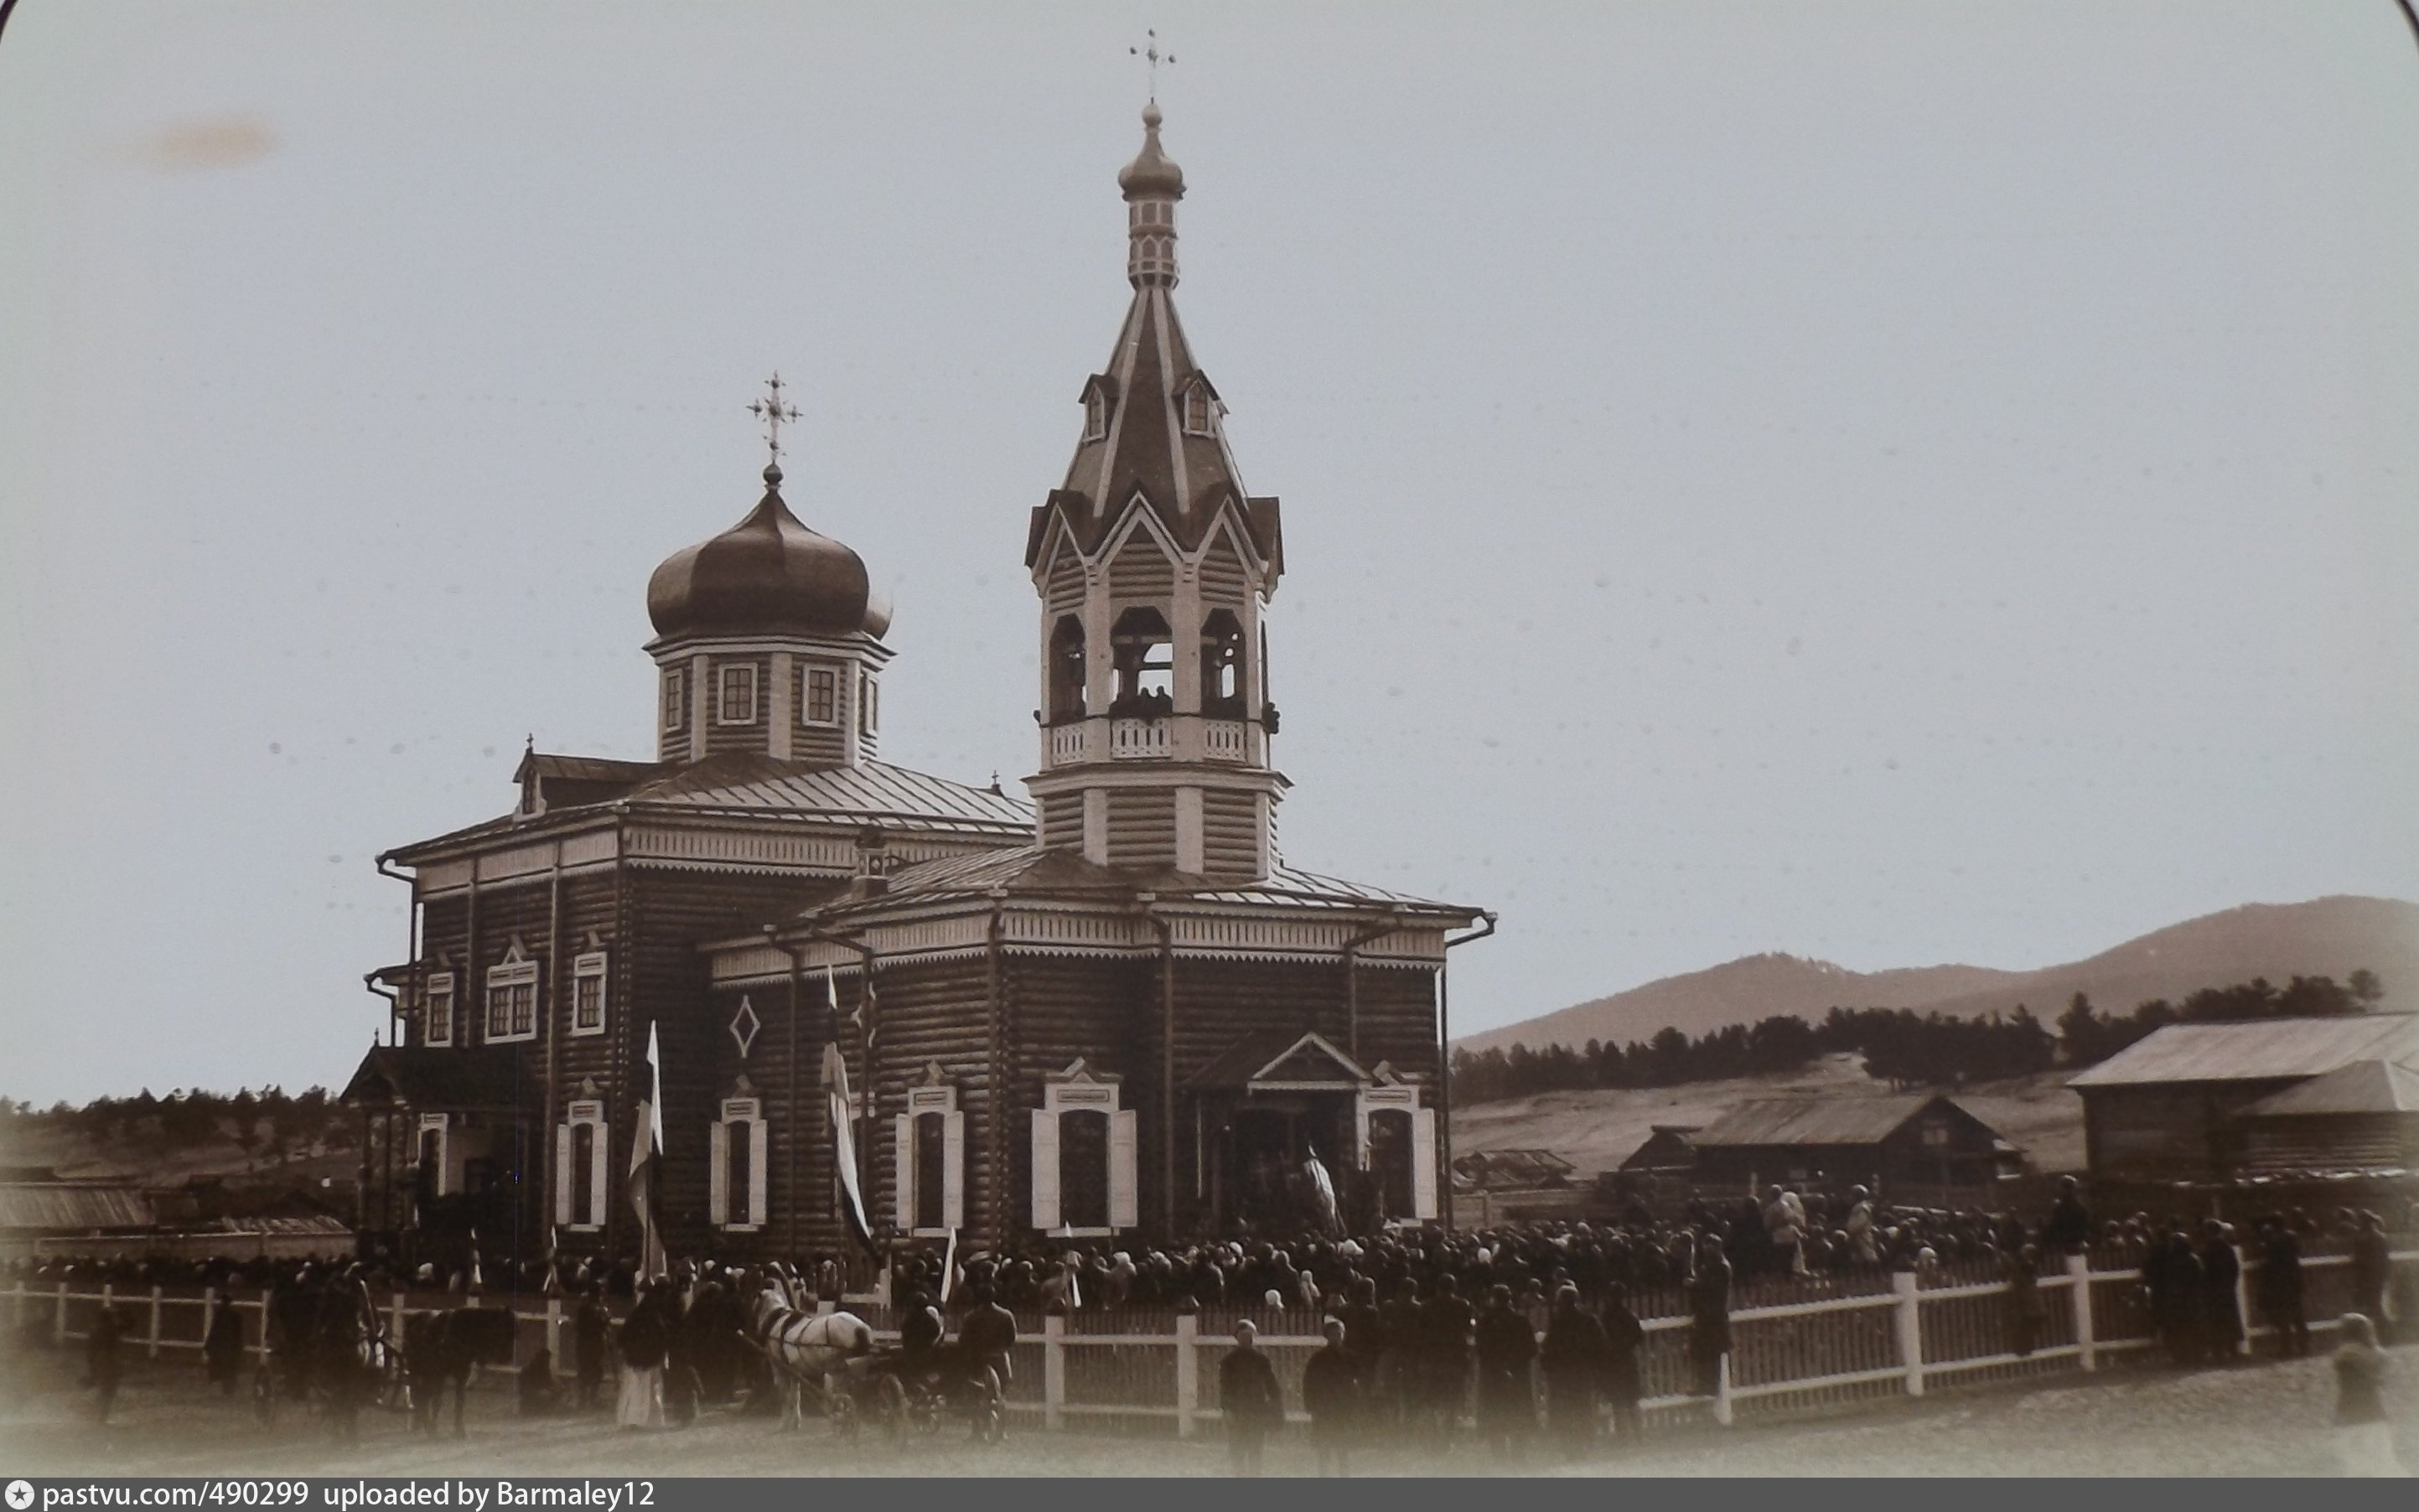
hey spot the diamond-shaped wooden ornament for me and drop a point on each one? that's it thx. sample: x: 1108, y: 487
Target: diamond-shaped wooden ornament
x: 743, y: 1025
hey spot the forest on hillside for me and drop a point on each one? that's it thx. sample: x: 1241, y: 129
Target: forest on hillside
x: 1899, y: 1046
x: 269, y: 1124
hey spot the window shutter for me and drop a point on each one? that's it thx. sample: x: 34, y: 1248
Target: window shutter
x: 1424, y: 1163
x: 717, y: 1199
x: 953, y: 1169
x: 600, y: 1187
x: 564, y: 1180
x: 902, y: 1172
x: 758, y: 1184
x: 1046, y: 1169
x: 1124, y: 1209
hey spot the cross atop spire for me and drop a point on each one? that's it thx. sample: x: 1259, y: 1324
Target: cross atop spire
x: 772, y: 411
x: 1151, y: 55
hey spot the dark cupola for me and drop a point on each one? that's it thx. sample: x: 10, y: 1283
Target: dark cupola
x: 768, y: 573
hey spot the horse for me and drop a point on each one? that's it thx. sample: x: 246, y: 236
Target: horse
x: 804, y: 1349
x: 441, y: 1350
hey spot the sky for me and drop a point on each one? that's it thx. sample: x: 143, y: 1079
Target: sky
x: 1895, y: 483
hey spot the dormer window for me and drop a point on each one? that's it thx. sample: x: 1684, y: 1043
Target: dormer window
x: 675, y: 701
x: 737, y: 700
x: 1200, y: 411
x: 1096, y: 401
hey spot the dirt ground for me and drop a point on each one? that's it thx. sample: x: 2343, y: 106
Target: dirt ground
x: 2255, y: 1419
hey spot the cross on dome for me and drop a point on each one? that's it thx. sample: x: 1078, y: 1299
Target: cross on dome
x: 1151, y: 55
x: 773, y: 412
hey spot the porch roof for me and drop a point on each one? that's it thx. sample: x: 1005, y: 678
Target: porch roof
x: 435, y: 1078
x: 1281, y: 1058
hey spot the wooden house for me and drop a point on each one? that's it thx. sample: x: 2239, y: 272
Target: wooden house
x: 1893, y: 1144
x: 2183, y: 1103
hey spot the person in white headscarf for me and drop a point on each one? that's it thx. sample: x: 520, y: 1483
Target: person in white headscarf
x: 2364, y: 1435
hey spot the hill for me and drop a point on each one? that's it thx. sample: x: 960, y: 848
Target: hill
x: 2328, y: 936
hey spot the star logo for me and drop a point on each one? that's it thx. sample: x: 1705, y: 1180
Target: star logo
x: 21, y: 1495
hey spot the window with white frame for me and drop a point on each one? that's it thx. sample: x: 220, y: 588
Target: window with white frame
x: 1095, y: 416
x: 737, y: 699
x: 1083, y: 1169
x: 582, y: 1188
x: 740, y: 1153
x: 512, y: 997
x: 819, y: 696
x: 868, y: 714
x: 928, y: 1156
x: 436, y: 1010
x: 588, y: 992
x: 675, y: 699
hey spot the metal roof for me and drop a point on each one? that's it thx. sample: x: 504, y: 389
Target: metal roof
x: 1283, y: 1057
x: 2257, y: 1050
x: 1815, y: 1120
x: 1030, y: 870
x: 2363, y: 1087
x: 72, y: 1206
x: 872, y: 791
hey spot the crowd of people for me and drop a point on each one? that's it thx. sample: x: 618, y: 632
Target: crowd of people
x: 1515, y: 1325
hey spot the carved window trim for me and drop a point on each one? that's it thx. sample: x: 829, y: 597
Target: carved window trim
x: 588, y: 983
x: 436, y: 1010
x: 734, y: 694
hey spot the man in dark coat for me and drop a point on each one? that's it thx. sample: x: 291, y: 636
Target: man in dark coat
x: 1573, y: 1359
x: 1623, y: 1383
x: 1709, y: 1315
x: 2221, y: 1309
x: 590, y: 1325
x: 1248, y: 1400
x: 2069, y: 1229
x: 1506, y: 1347
x: 1331, y: 1394
x: 1446, y: 1323
x: 223, y: 1347
x: 2280, y: 1287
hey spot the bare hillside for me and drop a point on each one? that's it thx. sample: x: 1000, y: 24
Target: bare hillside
x: 2327, y: 936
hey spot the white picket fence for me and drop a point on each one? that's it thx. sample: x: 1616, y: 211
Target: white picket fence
x: 1879, y: 1335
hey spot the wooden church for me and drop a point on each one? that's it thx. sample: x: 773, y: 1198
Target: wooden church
x: 1115, y: 1011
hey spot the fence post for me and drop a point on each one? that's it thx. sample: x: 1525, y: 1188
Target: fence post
x: 397, y: 1318
x: 1053, y: 1369
x: 155, y: 1322
x: 2078, y: 1272
x: 1722, y: 1389
x: 1188, y: 1373
x: 59, y: 1324
x: 1910, y: 1329
x: 554, y: 1330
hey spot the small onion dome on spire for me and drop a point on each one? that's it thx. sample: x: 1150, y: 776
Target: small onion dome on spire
x: 768, y: 573
x: 1151, y: 175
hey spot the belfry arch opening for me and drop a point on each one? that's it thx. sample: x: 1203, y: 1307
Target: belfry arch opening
x: 1225, y: 682
x: 1144, y: 649
x: 1067, y: 670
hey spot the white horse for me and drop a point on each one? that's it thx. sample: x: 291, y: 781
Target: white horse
x: 805, y: 1349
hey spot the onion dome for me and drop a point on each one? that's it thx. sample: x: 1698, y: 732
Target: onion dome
x: 1151, y: 175
x: 766, y: 574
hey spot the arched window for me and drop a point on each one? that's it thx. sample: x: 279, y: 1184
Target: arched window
x: 1095, y: 416
x: 1144, y: 649
x: 1200, y: 411
x: 1066, y: 671
x: 1223, y: 693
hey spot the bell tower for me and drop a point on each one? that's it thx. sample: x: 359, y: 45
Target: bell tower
x: 1153, y: 566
